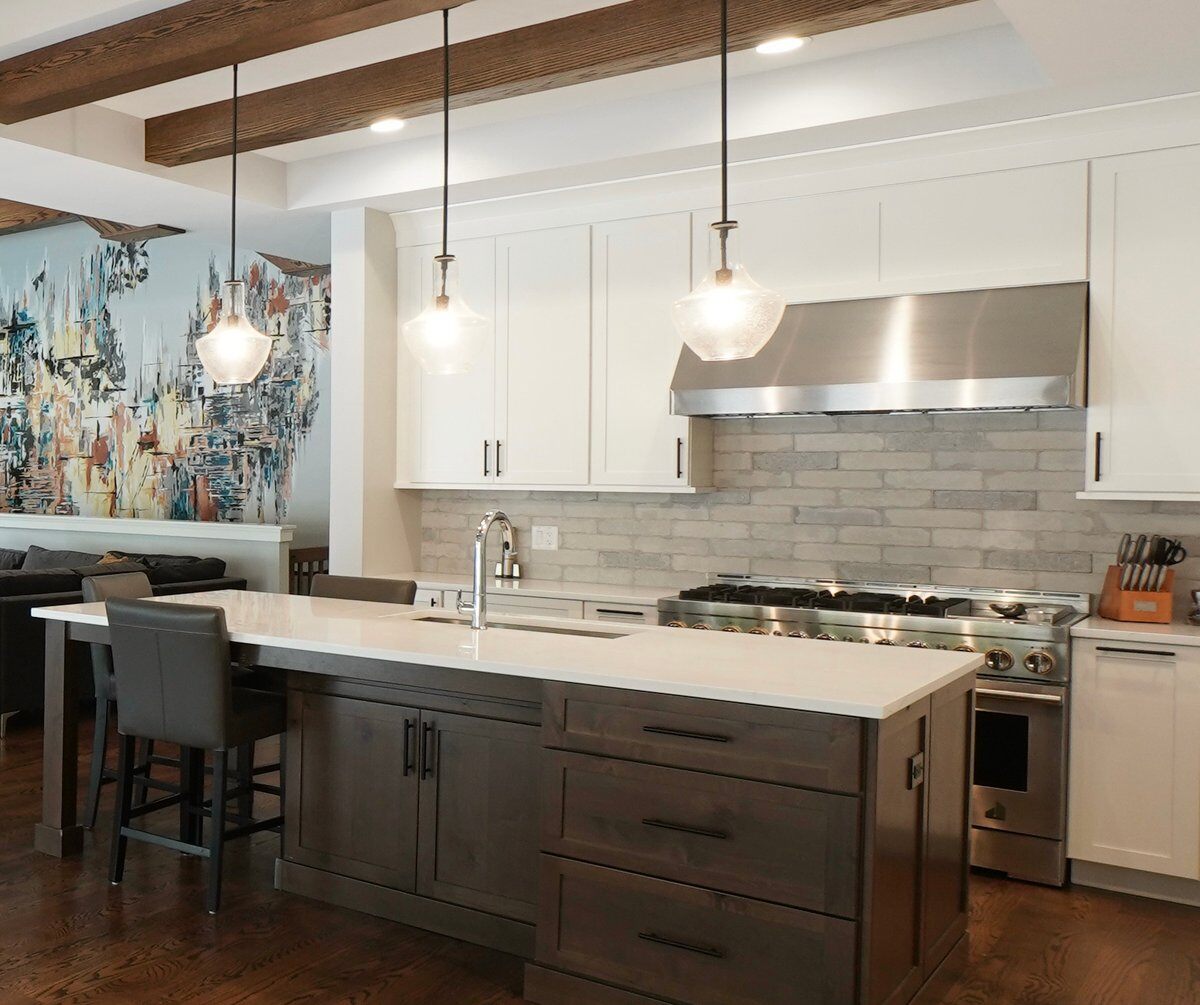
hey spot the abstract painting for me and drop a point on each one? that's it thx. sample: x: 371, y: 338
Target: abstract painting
x: 101, y: 420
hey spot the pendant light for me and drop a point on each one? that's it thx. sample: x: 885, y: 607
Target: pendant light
x: 728, y: 315
x: 234, y: 352
x: 447, y: 336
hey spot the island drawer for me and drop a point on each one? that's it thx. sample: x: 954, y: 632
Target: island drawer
x: 690, y: 945
x: 794, y: 846
x: 806, y: 749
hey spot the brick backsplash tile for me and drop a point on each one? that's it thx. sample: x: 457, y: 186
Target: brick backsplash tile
x: 958, y: 499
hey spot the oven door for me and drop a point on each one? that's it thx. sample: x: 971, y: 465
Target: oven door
x: 1020, y: 780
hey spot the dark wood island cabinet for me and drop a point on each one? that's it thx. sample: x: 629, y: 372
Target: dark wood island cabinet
x: 640, y: 848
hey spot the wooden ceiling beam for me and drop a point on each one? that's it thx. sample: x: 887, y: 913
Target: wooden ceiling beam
x: 17, y: 217
x: 597, y: 44
x: 179, y: 41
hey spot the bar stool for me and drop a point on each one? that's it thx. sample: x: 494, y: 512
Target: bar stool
x: 384, y: 591
x: 173, y: 673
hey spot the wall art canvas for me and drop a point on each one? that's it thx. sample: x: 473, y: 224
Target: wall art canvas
x: 105, y: 409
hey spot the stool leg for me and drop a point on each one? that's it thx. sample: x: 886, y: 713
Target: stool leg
x: 96, y: 774
x: 187, y: 795
x: 216, y: 840
x: 145, y: 752
x: 245, y: 779
x: 116, y: 867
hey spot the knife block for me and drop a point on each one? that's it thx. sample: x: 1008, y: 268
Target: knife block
x: 1146, y: 606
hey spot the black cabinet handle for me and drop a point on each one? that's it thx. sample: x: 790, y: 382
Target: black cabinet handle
x: 679, y: 457
x: 410, y: 728
x: 685, y: 734
x: 427, y: 749
x: 486, y: 458
x: 619, y: 613
x: 498, y: 471
x: 661, y: 940
x: 1099, y: 440
x: 666, y: 825
x: 1160, y: 653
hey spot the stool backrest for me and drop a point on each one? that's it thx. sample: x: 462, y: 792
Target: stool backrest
x: 173, y: 671
x: 132, y: 586
x: 384, y: 591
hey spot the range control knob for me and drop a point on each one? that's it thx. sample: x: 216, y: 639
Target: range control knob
x: 918, y: 645
x: 676, y: 624
x: 797, y: 635
x: 826, y: 637
x: 884, y: 642
x: 847, y: 638
x: 998, y: 660
x: 702, y: 627
x: 964, y: 649
x: 1039, y: 661
x: 777, y: 632
x: 758, y: 631
x: 731, y: 628
x: 941, y: 645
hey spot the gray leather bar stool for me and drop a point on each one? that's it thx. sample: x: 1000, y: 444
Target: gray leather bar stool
x: 173, y: 673
x: 383, y: 591
x: 132, y: 586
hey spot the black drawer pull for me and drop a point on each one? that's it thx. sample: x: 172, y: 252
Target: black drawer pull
x: 427, y: 750
x: 623, y: 614
x: 686, y: 735
x: 659, y: 940
x: 666, y: 825
x: 1161, y: 653
x: 410, y: 765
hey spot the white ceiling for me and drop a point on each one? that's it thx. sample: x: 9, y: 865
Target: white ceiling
x: 980, y: 63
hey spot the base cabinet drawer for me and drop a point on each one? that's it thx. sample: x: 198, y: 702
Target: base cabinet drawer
x: 690, y: 945
x: 793, y: 846
x: 747, y: 741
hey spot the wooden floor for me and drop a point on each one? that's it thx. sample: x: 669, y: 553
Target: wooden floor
x: 67, y: 936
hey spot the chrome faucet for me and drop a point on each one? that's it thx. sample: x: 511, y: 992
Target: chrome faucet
x: 477, y: 608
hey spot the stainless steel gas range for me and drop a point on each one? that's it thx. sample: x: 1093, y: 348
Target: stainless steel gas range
x: 1022, y: 696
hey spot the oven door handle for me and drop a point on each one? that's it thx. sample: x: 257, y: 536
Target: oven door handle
x: 1045, y: 699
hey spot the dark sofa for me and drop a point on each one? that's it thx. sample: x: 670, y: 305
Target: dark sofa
x: 42, y: 578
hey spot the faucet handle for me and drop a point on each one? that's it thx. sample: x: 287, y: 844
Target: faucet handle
x: 463, y: 606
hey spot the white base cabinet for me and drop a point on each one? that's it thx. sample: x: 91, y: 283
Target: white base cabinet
x: 1134, y: 791
x: 1143, y: 409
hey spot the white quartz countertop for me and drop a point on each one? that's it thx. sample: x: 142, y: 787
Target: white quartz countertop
x: 870, y: 682
x: 604, y: 592
x: 1177, y: 633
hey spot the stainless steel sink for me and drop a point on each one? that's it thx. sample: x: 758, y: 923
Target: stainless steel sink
x: 588, y: 633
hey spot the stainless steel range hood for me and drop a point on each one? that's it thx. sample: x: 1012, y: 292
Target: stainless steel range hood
x: 1023, y: 347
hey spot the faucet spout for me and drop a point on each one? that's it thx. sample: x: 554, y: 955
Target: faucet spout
x: 477, y: 608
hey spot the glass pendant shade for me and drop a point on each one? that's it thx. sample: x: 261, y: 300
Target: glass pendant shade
x: 447, y: 337
x: 234, y: 352
x: 728, y: 315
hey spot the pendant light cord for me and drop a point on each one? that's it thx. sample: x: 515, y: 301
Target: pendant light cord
x: 233, y: 185
x: 445, y: 130
x: 724, y: 111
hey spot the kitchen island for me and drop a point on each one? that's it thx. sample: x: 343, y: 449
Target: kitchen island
x: 646, y: 814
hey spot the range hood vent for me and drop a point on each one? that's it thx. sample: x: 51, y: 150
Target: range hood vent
x: 1017, y: 348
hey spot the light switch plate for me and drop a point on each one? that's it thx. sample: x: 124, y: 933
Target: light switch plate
x: 545, y: 539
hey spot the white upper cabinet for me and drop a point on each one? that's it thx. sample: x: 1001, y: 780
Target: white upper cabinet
x: 543, y: 329
x: 1145, y: 301
x: 1135, y: 757
x: 450, y: 420
x: 639, y: 268
x: 1000, y: 228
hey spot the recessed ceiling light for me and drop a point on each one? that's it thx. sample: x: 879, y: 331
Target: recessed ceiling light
x: 387, y: 126
x: 777, y: 46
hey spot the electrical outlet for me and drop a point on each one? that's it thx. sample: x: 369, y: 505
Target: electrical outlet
x: 545, y: 539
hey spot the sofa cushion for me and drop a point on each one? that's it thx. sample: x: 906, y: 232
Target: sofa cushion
x: 164, y: 569
x: 11, y: 558
x: 42, y: 558
x: 109, y: 568
x: 28, y: 583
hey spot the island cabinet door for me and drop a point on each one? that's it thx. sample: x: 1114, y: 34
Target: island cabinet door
x: 352, y: 788
x: 479, y: 813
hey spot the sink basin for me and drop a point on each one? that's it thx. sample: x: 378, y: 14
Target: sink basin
x: 588, y: 633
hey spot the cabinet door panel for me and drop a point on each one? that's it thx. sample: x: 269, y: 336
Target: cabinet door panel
x: 1144, y: 297
x: 1000, y: 228
x: 450, y: 417
x: 479, y: 814
x: 349, y: 762
x: 640, y: 267
x: 1135, y: 758
x: 544, y: 339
